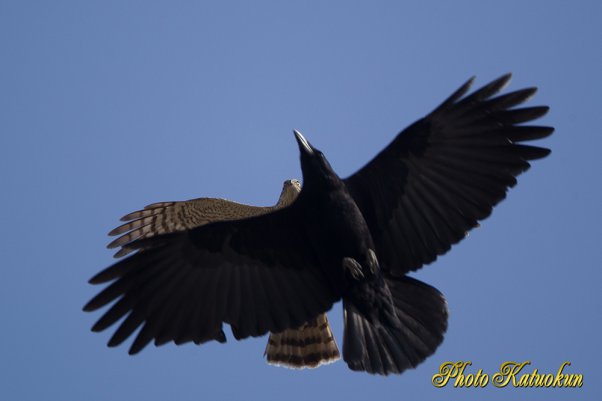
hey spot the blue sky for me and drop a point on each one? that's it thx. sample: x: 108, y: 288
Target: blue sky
x: 108, y: 106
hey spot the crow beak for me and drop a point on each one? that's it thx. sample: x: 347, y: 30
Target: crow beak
x: 304, y: 146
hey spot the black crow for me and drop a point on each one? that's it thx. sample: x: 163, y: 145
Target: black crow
x: 353, y: 239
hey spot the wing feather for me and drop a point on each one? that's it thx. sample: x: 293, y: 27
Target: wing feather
x: 169, y: 217
x: 255, y: 274
x: 444, y: 173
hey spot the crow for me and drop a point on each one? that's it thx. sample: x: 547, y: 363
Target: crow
x: 353, y: 239
x: 308, y: 346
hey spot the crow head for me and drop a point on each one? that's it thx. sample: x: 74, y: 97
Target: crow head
x: 316, y: 169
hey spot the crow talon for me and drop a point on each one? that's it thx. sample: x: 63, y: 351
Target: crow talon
x: 353, y: 267
x: 372, y: 261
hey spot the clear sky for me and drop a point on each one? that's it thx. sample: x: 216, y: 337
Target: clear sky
x: 107, y: 106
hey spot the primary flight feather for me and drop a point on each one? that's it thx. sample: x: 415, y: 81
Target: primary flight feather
x: 353, y: 239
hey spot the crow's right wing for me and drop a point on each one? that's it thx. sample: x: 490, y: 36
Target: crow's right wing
x: 258, y: 274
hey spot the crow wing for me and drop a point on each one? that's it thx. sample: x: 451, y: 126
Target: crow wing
x: 444, y: 173
x: 256, y: 274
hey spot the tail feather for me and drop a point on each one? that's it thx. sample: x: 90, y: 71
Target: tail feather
x: 309, y: 346
x: 380, y: 348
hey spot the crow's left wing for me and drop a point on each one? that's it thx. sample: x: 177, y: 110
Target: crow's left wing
x: 444, y: 173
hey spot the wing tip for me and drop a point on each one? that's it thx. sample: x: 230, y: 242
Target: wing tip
x: 115, y: 243
x: 116, y: 231
x: 104, y: 276
x: 536, y: 152
x: 529, y: 92
x: 461, y: 91
x: 97, y: 279
x: 504, y: 79
x: 136, y: 348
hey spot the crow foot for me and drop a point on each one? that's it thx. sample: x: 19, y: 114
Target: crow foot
x: 353, y: 267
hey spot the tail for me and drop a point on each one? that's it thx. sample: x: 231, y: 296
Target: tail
x: 380, y: 348
x: 309, y: 346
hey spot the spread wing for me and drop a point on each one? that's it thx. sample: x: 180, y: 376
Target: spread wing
x: 445, y: 172
x: 256, y: 274
x: 168, y: 217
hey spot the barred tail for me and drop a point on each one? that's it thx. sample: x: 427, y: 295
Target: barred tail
x: 383, y: 348
x: 309, y: 346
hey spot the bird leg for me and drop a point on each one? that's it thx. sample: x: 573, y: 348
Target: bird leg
x: 353, y: 267
x: 372, y: 261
